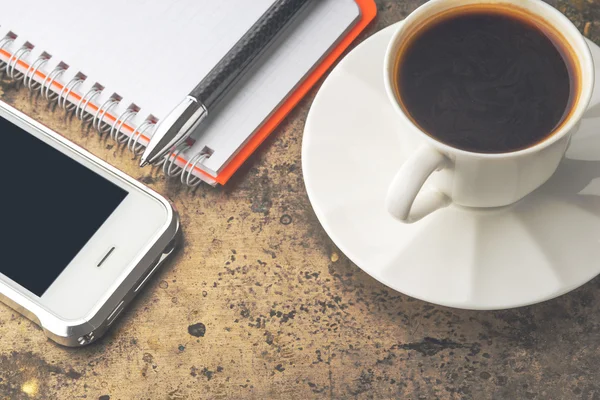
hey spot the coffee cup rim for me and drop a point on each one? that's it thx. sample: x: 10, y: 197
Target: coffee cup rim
x: 557, y: 19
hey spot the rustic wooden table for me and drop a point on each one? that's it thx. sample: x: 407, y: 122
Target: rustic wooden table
x: 259, y: 303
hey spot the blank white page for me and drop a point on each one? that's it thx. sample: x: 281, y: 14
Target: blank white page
x: 151, y: 52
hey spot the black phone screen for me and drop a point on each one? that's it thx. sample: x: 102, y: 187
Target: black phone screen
x: 51, y: 207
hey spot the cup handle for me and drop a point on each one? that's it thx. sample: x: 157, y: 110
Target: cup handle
x: 408, y: 182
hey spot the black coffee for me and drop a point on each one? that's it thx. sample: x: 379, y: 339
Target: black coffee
x: 486, y: 80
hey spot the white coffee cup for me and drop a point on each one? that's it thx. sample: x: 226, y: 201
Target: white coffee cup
x: 479, y: 179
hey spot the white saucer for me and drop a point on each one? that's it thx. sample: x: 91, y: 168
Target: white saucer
x: 537, y: 249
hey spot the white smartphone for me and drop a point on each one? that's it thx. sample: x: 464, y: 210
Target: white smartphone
x: 79, y: 238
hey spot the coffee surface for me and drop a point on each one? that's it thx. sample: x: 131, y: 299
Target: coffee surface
x: 485, y: 81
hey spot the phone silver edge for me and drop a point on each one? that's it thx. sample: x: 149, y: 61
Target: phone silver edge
x: 84, y: 331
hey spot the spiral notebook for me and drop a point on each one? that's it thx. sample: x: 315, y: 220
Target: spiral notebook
x: 123, y: 65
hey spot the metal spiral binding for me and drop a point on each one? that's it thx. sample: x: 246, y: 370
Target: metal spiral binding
x: 47, y: 84
x: 3, y: 43
x: 84, y: 102
x: 14, y: 60
x: 117, y: 135
x: 66, y: 91
x: 98, y: 121
x: 169, y: 167
x: 33, y: 69
x: 187, y: 176
x: 160, y: 163
x: 133, y: 143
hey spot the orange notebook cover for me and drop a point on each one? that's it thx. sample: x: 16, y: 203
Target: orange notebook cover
x: 368, y: 12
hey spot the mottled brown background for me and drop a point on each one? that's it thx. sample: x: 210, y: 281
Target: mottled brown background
x: 260, y: 304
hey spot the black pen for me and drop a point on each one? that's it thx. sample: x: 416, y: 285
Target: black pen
x: 177, y: 126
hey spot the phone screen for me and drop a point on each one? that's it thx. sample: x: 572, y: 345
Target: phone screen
x: 51, y: 207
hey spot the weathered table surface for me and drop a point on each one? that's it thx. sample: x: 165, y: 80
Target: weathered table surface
x: 260, y: 304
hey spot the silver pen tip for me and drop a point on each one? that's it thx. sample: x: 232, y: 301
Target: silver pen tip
x: 173, y: 130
